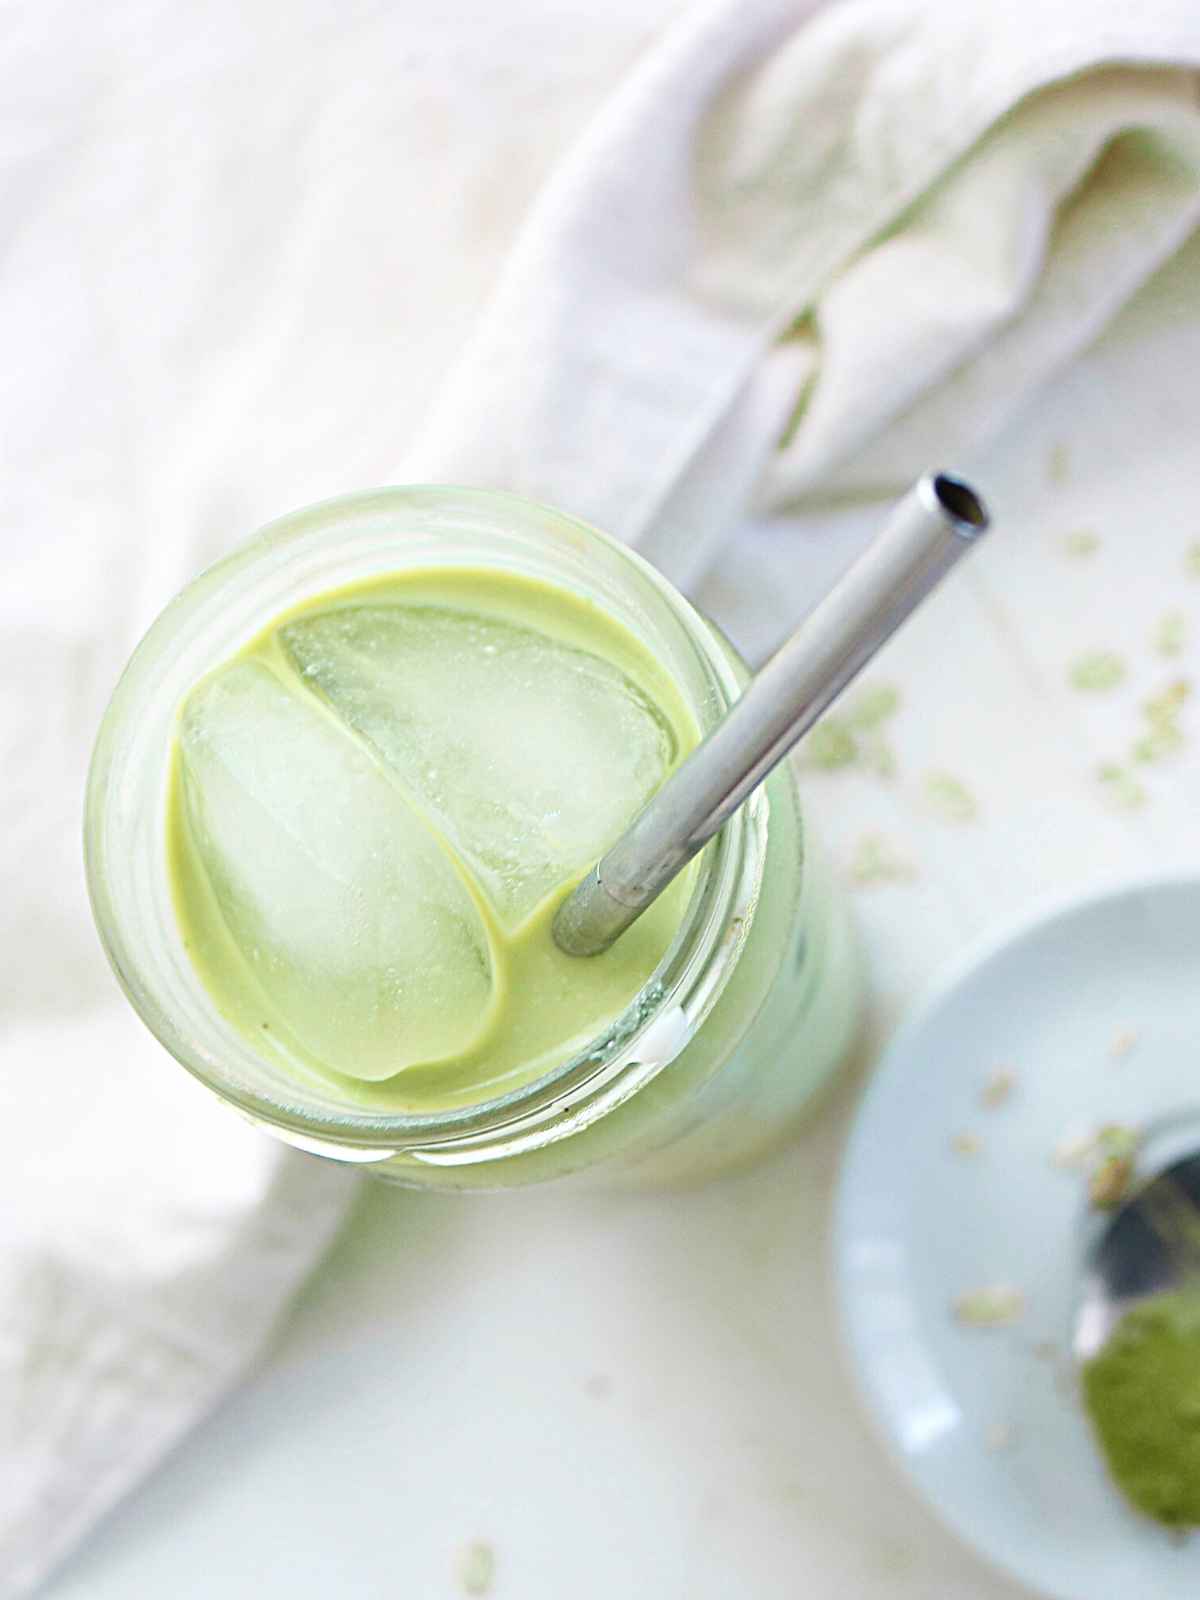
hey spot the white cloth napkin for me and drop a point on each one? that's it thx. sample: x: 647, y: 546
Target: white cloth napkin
x: 801, y: 254
x: 808, y: 256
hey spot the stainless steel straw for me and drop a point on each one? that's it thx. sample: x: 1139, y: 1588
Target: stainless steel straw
x: 935, y: 524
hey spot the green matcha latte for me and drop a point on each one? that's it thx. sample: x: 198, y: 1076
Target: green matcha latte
x: 339, y: 793
x: 376, y: 808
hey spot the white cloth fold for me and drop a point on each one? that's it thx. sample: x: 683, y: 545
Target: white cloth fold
x: 869, y: 233
x: 803, y: 252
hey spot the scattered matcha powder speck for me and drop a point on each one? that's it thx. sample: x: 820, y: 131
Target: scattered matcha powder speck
x: 1081, y: 544
x: 874, y: 705
x: 1124, y: 1040
x: 1162, y: 710
x: 966, y: 1144
x: 1191, y: 558
x: 950, y: 798
x: 1058, y: 464
x: 1113, y: 1164
x: 879, y: 757
x: 1170, y: 636
x: 476, y: 1567
x: 1073, y: 1151
x: 998, y: 1088
x: 996, y: 1306
x: 875, y: 861
x: 1106, y: 1157
x: 1110, y: 1183
x: 1120, y: 788
x: 855, y: 737
x: 831, y: 745
x: 1142, y: 1393
x: 1118, y: 1139
x: 1097, y: 672
x: 1157, y: 746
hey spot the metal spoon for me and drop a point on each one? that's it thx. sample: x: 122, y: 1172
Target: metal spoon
x: 936, y: 523
x: 1148, y: 1247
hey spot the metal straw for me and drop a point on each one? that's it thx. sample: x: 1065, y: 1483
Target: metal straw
x: 935, y: 524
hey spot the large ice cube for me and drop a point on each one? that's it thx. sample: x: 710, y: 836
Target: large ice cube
x: 350, y: 915
x: 531, y: 754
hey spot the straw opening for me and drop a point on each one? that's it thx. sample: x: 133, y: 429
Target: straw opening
x: 960, y: 503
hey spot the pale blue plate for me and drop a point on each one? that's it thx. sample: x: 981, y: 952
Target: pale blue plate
x: 984, y: 1422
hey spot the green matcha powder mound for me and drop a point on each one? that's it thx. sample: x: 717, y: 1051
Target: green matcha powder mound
x: 1142, y: 1393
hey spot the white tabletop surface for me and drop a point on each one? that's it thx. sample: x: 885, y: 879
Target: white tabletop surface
x: 634, y: 1395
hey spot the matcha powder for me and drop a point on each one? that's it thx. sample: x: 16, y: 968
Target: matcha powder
x: 1142, y: 1393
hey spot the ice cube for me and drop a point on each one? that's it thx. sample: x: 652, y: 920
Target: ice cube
x: 347, y: 911
x: 531, y: 754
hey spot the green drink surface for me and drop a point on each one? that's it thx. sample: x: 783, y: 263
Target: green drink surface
x: 376, y: 808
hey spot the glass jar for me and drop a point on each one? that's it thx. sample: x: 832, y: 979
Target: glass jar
x: 746, y: 1016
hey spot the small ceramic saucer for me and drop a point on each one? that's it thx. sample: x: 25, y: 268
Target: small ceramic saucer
x: 962, y: 1175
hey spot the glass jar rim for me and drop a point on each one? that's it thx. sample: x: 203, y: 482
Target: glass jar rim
x: 608, y: 1069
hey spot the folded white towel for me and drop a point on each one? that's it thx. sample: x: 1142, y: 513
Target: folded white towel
x: 809, y: 257
x: 802, y: 253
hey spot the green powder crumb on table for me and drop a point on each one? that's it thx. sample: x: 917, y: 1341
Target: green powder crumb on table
x: 867, y: 713
x: 1191, y: 559
x: 855, y: 737
x: 875, y: 861
x: 1097, y: 671
x: 874, y: 705
x: 831, y: 745
x: 1081, y: 544
x: 1120, y: 788
x: 1058, y: 464
x: 1154, y: 747
x: 878, y: 757
x: 1162, y: 709
x: 1162, y: 712
x: 1170, y: 636
x: 1142, y: 1393
x: 476, y: 1567
x: 949, y: 798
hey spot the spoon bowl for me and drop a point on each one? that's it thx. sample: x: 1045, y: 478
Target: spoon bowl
x: 1148, y: 1247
